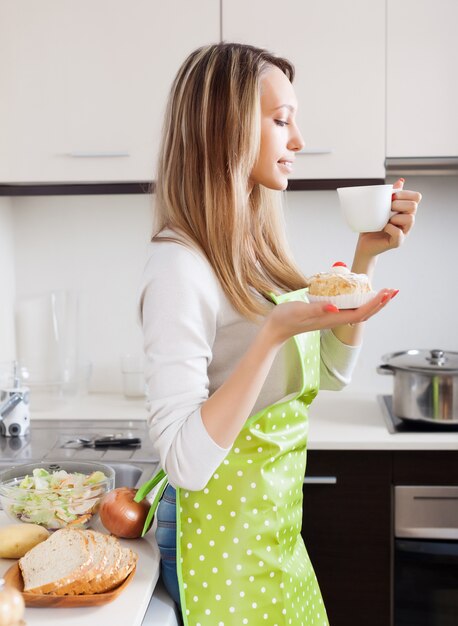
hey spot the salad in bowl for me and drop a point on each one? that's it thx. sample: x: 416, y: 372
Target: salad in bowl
x: 55, y: 494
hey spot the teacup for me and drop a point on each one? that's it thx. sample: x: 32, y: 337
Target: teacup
x: 366, y: 209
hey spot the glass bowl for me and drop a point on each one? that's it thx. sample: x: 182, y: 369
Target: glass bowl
x: 55, y: 494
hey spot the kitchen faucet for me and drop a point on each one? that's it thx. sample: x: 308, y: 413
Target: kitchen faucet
x: 14, y: 410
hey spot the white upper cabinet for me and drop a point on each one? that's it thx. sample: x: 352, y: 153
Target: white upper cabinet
x: 338, y: 49
x: 85, y: 83
x: 422, y: 85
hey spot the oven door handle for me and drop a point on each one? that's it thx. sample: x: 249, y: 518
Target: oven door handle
x: 443, y: 551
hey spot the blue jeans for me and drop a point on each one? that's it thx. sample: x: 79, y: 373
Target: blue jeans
x: 166, y: 541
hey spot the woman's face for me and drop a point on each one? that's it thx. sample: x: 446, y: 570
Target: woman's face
x: 280, y: 137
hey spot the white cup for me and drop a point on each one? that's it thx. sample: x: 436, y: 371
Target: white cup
x: 366, y: 209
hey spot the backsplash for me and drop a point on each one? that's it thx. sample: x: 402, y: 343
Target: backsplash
x: 96, y: 246
x: 7, y: 281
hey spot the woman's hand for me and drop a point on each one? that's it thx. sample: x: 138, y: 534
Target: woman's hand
x: 292, y: 318
x: 404, y: 204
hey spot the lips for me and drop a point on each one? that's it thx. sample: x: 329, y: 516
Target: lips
x: 286, y: 164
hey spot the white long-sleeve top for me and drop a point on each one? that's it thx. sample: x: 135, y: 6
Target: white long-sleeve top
x: 193, y: 340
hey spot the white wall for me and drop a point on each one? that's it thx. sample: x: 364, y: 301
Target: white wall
x: 7, y: 282
x: 97, y: 244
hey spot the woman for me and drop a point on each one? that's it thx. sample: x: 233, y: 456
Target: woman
x: 235, y: 353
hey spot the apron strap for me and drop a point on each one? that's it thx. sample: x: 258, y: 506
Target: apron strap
x: 158, y: 479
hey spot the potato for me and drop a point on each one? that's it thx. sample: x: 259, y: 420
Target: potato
x: 17, y: 539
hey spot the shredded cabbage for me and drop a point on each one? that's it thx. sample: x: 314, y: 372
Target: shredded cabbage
x: 56, y: 499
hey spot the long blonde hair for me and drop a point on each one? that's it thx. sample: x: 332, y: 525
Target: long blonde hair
x: 210, y: 143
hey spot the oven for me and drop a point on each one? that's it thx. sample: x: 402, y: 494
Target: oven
x: 426, y: 556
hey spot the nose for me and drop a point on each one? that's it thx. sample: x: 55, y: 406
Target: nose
x: 296, y: 141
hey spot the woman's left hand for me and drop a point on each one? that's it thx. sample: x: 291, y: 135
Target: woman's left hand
x: 404, y: 203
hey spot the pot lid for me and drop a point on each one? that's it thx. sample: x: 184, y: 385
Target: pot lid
x: 434, y: 361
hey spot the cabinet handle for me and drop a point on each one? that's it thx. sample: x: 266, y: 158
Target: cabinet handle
x: 320, y: 480
x: 92, y: 155
x: 316, y: 151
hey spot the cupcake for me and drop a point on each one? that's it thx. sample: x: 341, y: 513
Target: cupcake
x: 341, y: 287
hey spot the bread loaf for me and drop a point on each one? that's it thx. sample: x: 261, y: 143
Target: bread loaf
x: 127, y: 563
x: 60, y: 560
x: 97, y: 547
x: 98, y: 583
x: 75, y: 562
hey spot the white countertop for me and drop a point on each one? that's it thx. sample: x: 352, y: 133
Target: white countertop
x: 347, y: 421
x: 102, y: 406
x: 128, y: 609
x: 339, y: 420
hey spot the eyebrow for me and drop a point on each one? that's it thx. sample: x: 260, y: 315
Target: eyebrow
x: 285, y: 106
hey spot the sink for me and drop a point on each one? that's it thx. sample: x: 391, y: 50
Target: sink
x: 131, y: 474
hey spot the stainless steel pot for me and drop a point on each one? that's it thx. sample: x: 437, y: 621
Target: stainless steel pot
x: 425, y: 384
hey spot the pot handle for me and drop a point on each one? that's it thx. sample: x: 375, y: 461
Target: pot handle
x: 385, y: 369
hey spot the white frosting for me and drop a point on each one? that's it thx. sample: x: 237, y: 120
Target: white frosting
x: 340, y: 269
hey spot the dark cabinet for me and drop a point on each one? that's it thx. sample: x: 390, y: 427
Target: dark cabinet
x: 348, y: 524
x: 425, y: 467
x: 347, y: 529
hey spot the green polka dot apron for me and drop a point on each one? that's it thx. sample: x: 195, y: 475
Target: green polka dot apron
x: 240, y: 555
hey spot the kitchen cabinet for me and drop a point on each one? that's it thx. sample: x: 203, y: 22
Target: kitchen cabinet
x: 422, y: 90
x: 347, y: 530
x: 338, y: 49
x: 425, y: 467
x: 348, y: 524
x: 85, y: 84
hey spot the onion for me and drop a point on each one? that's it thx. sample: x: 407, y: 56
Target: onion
x: 121, y: 515
x: 11, y: 605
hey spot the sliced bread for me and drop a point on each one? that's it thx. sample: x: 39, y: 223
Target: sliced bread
x: 60, y: 560
x: 76, y: 562
x: 112, y: 557
x: 119, y: 564
x: 98, y: 548
x: 126, y: 565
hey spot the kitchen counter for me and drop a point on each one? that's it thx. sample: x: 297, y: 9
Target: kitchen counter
x: 106, y: 406
x: 348, y: 421
x: 341, y: 420
x: 128, y: 609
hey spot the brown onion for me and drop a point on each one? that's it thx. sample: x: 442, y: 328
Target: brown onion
x: 121, y: 515
x: 11, y: 605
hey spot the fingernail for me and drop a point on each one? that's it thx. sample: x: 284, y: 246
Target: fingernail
x: 330, y: 308
x: 402, y: 180
x: 395, y: 293
x: 386, y: 297
x: 393, y: 197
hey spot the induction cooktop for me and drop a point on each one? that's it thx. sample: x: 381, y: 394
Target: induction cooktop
x: 397, y: 425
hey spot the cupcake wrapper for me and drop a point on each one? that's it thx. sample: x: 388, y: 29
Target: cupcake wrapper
x: 345, y: 301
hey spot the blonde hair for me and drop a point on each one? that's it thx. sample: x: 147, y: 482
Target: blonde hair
x: 211, y: 140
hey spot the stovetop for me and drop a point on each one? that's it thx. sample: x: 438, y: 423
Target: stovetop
x: 396, y: 425
x: 47, y: 439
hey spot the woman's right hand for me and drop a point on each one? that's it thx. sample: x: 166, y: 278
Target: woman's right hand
x: 292, y: 318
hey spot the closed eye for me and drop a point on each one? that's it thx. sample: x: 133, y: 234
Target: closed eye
x: 281, y: 123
